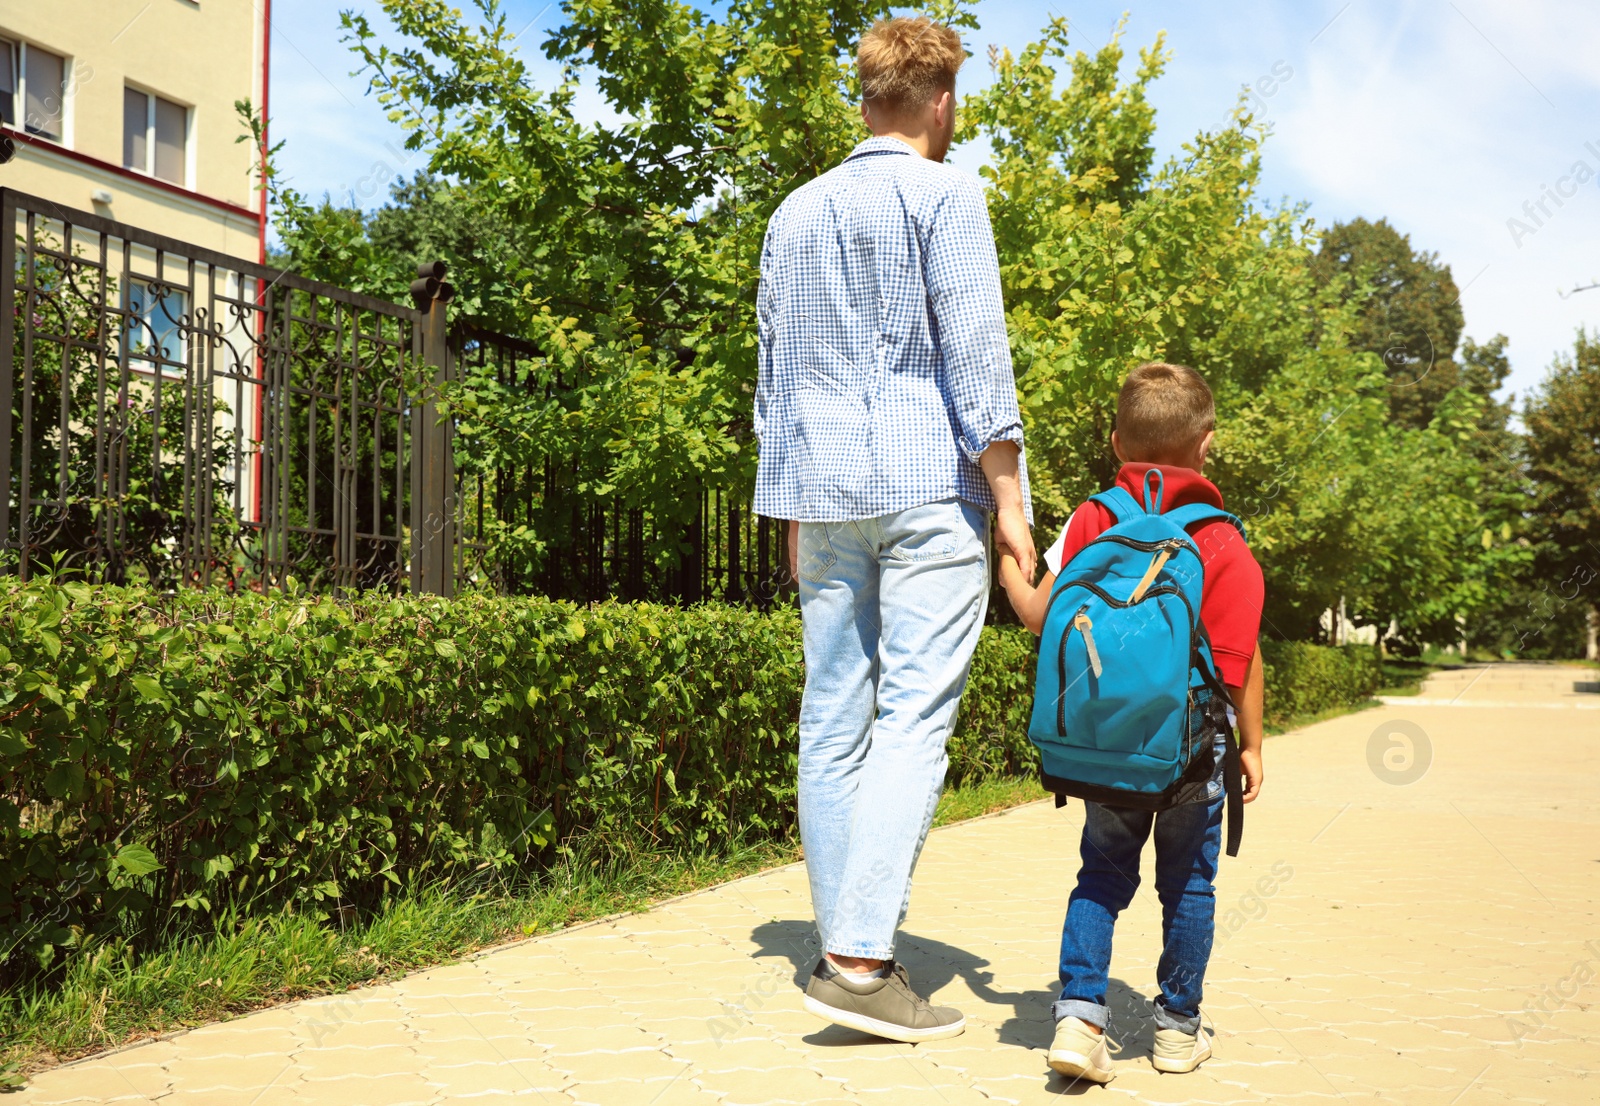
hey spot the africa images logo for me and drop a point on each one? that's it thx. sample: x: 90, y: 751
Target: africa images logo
x: 1566, y: 187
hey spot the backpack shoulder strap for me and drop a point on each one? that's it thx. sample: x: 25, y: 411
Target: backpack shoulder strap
x: 1121, y: 505
x: 1232, y: 784
x: 1191, y: 513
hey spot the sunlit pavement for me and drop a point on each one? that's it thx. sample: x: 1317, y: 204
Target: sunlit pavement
x: 1412, y: 919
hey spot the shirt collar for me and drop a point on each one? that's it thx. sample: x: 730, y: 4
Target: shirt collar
x: 1179, y: 485
x: 879, y: 144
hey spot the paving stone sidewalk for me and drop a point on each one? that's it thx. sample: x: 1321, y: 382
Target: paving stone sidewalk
x: 1430, y: 942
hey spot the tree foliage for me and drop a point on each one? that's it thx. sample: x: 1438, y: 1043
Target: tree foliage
x: 1408, y: 311
x: 1563, y: 421
x: 1109, y: 260
x: 629, y: 251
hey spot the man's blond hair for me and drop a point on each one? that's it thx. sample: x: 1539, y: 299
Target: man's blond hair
x: 904, y: 63
x: 1163, y: 411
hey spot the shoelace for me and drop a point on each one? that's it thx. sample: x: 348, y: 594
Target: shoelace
x: 899, y: 972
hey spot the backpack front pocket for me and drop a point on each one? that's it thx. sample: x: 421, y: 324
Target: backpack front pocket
x: 1116, y: 674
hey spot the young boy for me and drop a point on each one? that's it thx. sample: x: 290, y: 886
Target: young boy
x: 1165, y: 420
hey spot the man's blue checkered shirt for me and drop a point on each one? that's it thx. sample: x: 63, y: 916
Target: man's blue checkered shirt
x: 885, y: 369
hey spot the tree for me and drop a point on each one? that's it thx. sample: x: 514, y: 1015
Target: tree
x: 1109, y: 260
x: 1563, y: 421
x: 1408, y: 312
x: 629, y: 252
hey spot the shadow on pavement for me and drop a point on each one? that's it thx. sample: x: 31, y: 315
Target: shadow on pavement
x: 934, y: 964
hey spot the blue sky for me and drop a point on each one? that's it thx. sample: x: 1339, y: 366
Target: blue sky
x: 1448, y: 118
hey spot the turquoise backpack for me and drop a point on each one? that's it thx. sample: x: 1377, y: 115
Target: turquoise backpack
x: 1127, y: 702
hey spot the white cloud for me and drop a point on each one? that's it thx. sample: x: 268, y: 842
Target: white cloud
x: 1416, y: 116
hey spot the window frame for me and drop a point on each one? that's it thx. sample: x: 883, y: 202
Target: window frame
x: 148, y: 169
x: 65, y: 95
x: 12, y: 50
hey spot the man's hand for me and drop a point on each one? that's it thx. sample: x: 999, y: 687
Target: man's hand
x: 794, y: 551
x: 1011, y: 532
x: 1012, y: 536
x: 1250, y: 767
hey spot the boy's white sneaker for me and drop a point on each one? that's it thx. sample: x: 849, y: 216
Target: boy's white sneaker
x: 1078, y: 1052
x: 1177, y: 1051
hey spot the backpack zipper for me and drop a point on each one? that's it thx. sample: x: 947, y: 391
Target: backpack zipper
x: 1111, y: 600
x: 1061, y: 665
x: 1163, y: 554
x: 1086, y: 628
x: 1173, y: 545
x: 1135, y: 543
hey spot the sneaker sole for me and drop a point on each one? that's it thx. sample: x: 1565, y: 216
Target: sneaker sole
x: 1178, y: 1067
x: 904, y: 1034
x: 1075, y: 1065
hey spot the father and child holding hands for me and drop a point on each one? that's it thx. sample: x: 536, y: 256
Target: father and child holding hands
x: 890, y: 434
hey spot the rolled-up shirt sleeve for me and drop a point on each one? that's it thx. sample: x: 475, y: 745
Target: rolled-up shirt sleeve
x: 962, y: 275
x: 766, y: 320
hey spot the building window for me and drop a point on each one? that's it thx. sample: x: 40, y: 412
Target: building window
x: 155, y: 135
x: 8, y: 82
x: 33, y: 88
x: 155, y: 337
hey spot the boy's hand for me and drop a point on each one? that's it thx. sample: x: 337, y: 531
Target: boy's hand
x: 1250, y: 766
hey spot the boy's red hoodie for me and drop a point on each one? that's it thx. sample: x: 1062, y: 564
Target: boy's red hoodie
x: 1230, y: 601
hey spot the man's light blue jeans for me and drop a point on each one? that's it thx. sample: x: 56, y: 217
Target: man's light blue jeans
x: 892, y: 608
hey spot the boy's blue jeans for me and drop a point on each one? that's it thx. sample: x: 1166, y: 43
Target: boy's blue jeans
x: 892, y: 608
x: 1188, y: 841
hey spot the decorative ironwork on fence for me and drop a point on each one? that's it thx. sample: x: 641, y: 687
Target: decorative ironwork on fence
x: 593, y: 547
x: 188, y: 418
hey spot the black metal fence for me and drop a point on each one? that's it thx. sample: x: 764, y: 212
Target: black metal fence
x: 594, y: 547
x: 186, y: 418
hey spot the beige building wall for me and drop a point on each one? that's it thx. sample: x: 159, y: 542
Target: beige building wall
x: 200, y: 54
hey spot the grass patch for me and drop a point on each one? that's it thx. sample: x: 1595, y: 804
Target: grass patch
x: 987, y: 796
x: 109, y: 995
x: 1301, y: 721
x: 1405, y: 675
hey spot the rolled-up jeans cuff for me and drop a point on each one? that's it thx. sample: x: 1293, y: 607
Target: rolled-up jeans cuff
x: 1091, y: 1012
x: 1166, y: 1019
x: 862, y: 952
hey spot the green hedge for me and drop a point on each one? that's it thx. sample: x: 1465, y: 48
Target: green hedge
x: 1305, y: 679
x: 991, y: 736
x: 188, y: 752
x: 170, y: 758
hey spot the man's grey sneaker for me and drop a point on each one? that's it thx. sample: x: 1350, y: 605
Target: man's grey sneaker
x: 1078, y: 1052
x: 1177, y: 1051
x: 884, y: 1007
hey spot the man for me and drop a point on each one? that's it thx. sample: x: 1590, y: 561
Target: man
x: 887, y: 413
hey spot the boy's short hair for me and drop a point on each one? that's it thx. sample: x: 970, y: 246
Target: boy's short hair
x: 905, y: 62
x: 1163, y: 411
